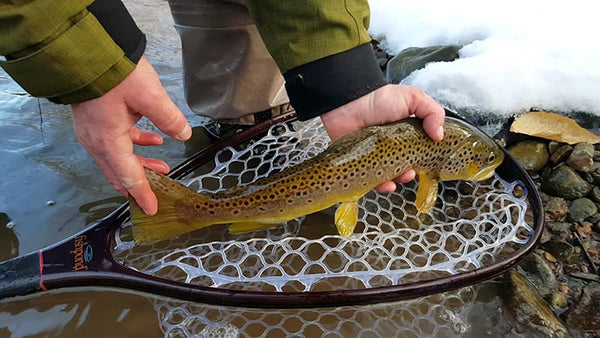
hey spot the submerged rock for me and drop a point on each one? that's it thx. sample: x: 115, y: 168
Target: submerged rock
x: 411, y: 59
x: 541, y: 268
x: 562, y: 250
x: 585, y: 314
x: 528, y: 308
x: 582, y: 157
x: 532, y: 155
x: 559, y: 300
x: 562, y: 229
x: 581, y: 209
x: 564, y: 182
x: 556, y: 208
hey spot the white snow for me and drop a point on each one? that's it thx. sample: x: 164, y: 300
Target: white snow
x: 516, y: 54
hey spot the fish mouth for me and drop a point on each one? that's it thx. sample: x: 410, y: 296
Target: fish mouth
x: 484, y: 174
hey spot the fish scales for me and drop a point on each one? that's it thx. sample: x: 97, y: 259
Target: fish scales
x: 349, y: 168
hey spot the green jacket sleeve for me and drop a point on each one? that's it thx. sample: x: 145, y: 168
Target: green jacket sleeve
x: 62, y: 49
x: 322, y: 48
x: 299, y: 32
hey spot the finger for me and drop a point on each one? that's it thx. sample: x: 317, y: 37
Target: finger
x: 406, y: 177
x: 154, y: 164
x: 432, y: 113
x: 155, y: 104
x: 131, y: 176
x: 144, y: 138
x: 385, y: 187
x: 168, y: 118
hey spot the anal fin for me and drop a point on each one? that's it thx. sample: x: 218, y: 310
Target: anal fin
x: 346, y: 217
x: 427, y: 192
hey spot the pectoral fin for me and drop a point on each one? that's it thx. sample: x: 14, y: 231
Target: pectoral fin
x: 239, y: 227
x: 346, y: 217
x: 427, y: 192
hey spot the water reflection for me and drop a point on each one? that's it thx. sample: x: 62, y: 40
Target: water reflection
x: 82, y: 312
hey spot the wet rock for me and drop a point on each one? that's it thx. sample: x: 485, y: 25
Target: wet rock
x: 411, y: 59
x: 581, y: 209
x: 552, y: 146
x: 595, y: 194
x: 532, y: 155
x: 562, y: 250
x: 582, y: 157
x: 564, y: 182
x: 595, y: 173
x: 561, y: 153
x: 528, y: 308
x: 556, y: 208
x: 382, y: 62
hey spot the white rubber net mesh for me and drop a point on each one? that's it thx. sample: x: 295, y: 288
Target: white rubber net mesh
x: 441, y: 315
x: 472, y: 225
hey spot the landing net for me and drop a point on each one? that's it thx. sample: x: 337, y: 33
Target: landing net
x: 472, y: 225
x: 440, y: 315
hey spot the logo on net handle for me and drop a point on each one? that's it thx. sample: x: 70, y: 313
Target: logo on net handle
x: 82, y: 253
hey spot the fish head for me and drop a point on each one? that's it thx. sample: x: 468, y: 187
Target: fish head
x: 474, y: 158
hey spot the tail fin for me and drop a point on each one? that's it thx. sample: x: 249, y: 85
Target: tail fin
x: 176, y: 214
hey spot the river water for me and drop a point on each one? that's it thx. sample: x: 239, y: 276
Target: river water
x: 51, y: 189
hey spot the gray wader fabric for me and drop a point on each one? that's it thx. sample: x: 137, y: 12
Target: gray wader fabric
x: 228, y: 73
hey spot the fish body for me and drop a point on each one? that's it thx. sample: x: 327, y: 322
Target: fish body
x: 350, y: 167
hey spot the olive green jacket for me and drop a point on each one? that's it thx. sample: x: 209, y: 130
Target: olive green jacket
x: 75, y: 50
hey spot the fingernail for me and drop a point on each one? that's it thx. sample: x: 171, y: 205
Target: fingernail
x: 185, y: 134
x: 440, y: 132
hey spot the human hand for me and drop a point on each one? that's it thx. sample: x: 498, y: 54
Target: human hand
x: 384, y: 105
x: 105, y: 128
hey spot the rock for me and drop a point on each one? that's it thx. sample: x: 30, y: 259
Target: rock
x: 528, y: 308
x: 382, y: 62
x: 596, y: 155
x: 595, y: 194
x: 532, y: 155
x: 560, y: 228
x: 564, y: 182
x: 561, y: 153
x: 562, y: 250
x: 582, y: 157
x: 595, y: 173
x: 556, y: 208
x: 558, y: 300
x: 411, y: 59
x: 552, y: 146
x: 581, y: 209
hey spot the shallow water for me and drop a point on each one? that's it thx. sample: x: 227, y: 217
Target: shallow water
x: 51, y: 189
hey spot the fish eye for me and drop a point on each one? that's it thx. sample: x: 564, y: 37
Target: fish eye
x: 492, y: 157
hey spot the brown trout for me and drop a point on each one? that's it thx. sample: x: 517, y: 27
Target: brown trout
x: 350, y: 167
